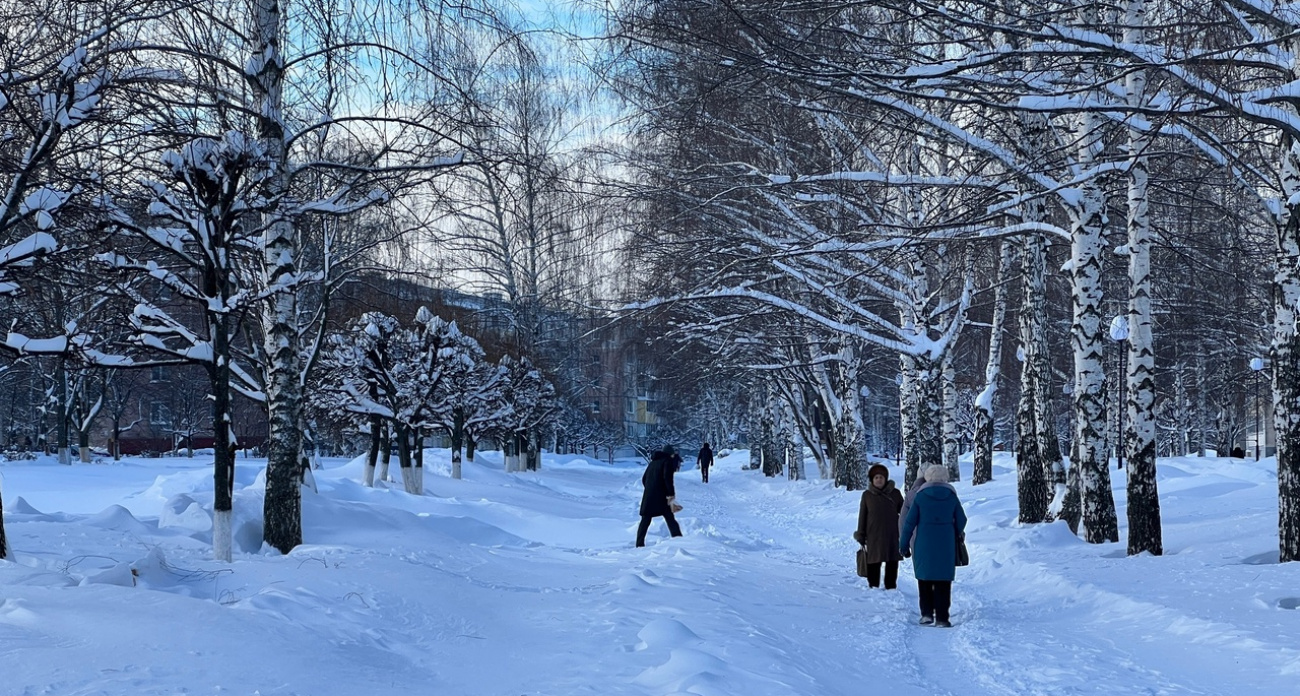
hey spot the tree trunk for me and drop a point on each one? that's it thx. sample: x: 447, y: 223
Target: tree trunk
x: 1031, y: 483
x: 385, y: 449
x: 418, y: 474
x: 1139, y: 438
x: 404, y: 463
x: 1100, y: 523
x: 982, y: 470
x: 61, y: 415
x: 1284, y: 354
x: 115, y: 440
x: 372, y: 455
x: 533, y: 445
x: 909, y: 436
x: 951, y: 436
x: 457, y: 440
x: 282, y: 509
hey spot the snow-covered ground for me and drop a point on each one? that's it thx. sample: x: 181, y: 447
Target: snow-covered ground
x: 526, y: 584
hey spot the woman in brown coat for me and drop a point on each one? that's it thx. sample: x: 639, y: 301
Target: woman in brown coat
x: 878, y: 526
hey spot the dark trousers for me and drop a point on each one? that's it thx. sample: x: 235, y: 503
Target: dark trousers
x: 704, y: 471
x: 673, y: 528
x: 936, y: 598
x: 891, y: 575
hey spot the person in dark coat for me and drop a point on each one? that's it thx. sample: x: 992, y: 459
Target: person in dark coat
x: 705, y: 459
x: 937, y: 518
x: 660, y: 496
x: 878, y: 526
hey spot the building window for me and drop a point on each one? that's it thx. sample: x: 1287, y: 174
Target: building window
x: 158, y: 374
x: 158, y: 414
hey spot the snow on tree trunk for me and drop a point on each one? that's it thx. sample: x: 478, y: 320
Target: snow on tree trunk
x: 951, y: 434
x: 984, y: 415
x: 1139, y: 438
x: 1100, y: 523
x: 282, y: 508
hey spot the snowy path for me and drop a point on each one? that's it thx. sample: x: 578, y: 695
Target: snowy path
x: 528, y: 585
x: 1022, y: 628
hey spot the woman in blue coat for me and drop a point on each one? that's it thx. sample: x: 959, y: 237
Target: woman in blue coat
x: 938, y: 519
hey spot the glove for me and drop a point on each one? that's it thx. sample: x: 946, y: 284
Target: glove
x: 857, y: 536
x: 672, y: 505
x: 907, y: 552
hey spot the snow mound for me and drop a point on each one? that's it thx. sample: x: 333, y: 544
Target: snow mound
x: 184, y: 513
x: 120, y: 519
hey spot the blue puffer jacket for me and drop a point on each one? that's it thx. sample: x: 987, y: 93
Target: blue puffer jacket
x: 937, y: 517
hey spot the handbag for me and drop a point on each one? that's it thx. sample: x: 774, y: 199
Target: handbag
x: 862, y: 562
x: 963, y: 556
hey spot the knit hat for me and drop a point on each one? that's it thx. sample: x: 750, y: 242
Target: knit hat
x: 937, y: 473
x: 877, y: 469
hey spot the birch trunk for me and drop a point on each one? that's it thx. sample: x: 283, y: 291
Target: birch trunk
x: 908, y: 433
x: 1284, y: 352
x: 928, y: 418
x: 1031, y: 485
x: 1100, y: 523
x: 850, y: 432
x: 282, y: 509
x: 984, y: 413
x: 951, y: 435
x: 1139, y: 438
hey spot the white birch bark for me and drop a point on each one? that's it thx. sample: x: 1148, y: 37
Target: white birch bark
x: 1139, y: 438
x: 951, y: 434
x: 910, y: 440
x: 1100, y: 523
x: 1283, y: 353
x: 984, y: 412
x: 282, y: 510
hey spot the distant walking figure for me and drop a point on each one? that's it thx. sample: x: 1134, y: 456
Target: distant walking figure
x: 937, y: 518
x: 878, y: 527
x: 660, y: 496
x: 705, y: 459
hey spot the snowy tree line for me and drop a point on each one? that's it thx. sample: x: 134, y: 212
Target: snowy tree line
x: 191, y: 184
x: 843, y: 200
